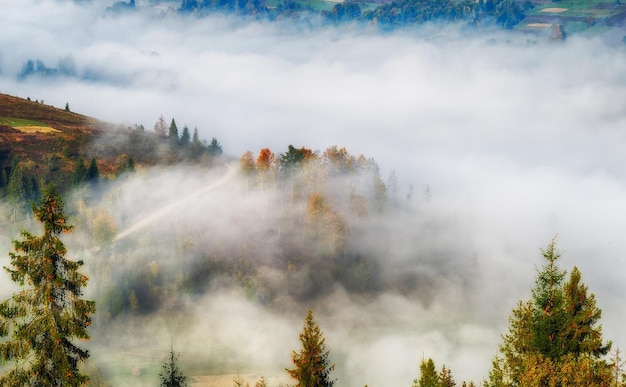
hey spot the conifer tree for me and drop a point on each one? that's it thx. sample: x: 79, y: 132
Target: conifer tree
x: 171, y: 375
x: 312, y: 363
x: 554, y: 339
x: 549, y: 312
x: 93, y: 174
x: 445, y: 378
x: 173, y: 134
x: 428, y: 375
x: 16, y: 187
x: 44, y: 317
x: 80, y: 173
x: 185, y: 138
x: 214, y: 148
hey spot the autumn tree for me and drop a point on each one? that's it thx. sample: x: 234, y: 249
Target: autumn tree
x: 445, y: 378
x: 246, y: 163
x: 171, y: 375
x: 312, y: 363
x: 555, y: 338
x: 160, y: 127
x: 261, y: 382
x: 43, y: 318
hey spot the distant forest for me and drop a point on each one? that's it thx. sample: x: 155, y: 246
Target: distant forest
x: 395, y: 14
x: 386, y: 15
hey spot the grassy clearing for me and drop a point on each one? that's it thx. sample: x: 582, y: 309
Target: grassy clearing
x: 16, y: 122
x: 27, y: 126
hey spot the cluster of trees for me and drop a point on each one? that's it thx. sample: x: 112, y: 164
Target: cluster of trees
x: 398, y: 13
x: 555, y: 338
x: 184, y: 143
x: 307, y: 174
x: 253, y: 8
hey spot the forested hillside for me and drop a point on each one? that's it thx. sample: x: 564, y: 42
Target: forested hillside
x: 168, y: 226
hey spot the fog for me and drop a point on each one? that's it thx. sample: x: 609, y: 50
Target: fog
x: 503, y: 140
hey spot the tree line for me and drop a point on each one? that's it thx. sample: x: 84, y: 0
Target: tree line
x: 21, y: 181
x: 395, y: 14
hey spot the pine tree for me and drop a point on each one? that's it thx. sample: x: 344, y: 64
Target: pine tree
x: 173, y: 134
x: 549, y: 312
x: 93, y: 174
x: 215, y: 148
x: 16, y: 189
x: 428, y: 375
x: 445, y: 378
x: 185, y: 138
x: 312, y: 364
x: 554, y: 339
x: 171, y: 375
x: 44, y: 317
x: 80, y: 173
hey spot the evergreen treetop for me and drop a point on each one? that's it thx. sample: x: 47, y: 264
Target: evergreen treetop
x: 42, y: 319
x: 312, y: 363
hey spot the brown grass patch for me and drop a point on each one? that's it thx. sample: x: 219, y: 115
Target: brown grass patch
x: 554, y: 10
x: 538, y: 25
x: 35, y: 129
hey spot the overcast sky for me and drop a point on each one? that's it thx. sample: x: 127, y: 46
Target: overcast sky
x: 516, y: 138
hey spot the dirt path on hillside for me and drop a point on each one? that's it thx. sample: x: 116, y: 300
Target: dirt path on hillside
x: 145, y: 221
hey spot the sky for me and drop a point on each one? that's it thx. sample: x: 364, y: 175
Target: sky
x: 506, y: 140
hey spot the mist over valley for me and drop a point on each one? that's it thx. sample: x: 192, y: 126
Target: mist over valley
x: 399, y: 183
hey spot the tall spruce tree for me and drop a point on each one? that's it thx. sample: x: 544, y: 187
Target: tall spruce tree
x: 81, y: 174
x: 312, y: 363
x: 185, y: 137
x: 173, y: 134
x: 554, y: 339
x: 428, y: 374
x: 171, y: 375
x: 93, y: 174
x: 44, y: 317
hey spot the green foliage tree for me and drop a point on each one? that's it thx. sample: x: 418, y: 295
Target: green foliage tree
x: 16, y: 189
x: 93, y: 174
x: 428, y: 375
x: 554, y: 339
x: 312, y: 363
x: 44, y: 317
x: 185, y: 137
x: 67, y: 107
x: 173, y: 134
x: 214, y: 148
x: 171, y: 375
x: 81, y: 173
